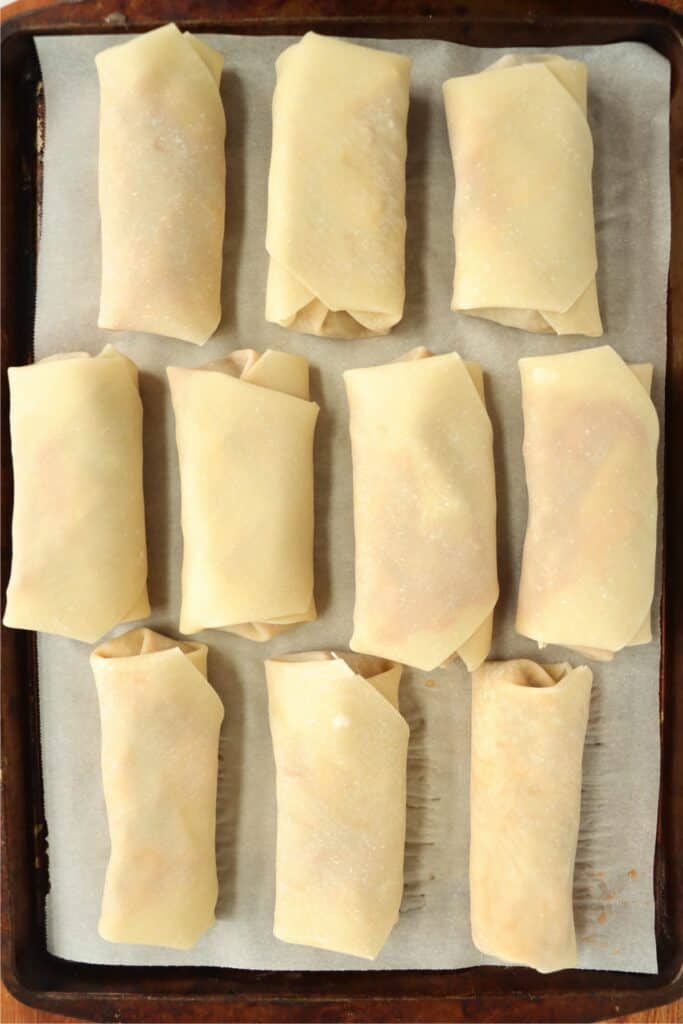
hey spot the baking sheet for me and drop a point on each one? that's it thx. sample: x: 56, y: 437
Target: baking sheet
x: 628, y: 109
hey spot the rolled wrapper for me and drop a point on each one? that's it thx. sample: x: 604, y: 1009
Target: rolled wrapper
x: 161, y: 185
x: 528, y: 729
x: 336, y: 191
x: 590, y: 454
x: 522, y: 152
x: 424, y: 502
x: 244, y: 428
x: 160, y: 726
x: 79, y: 555
x: 340, y: 748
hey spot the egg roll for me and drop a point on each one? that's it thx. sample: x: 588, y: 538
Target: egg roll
x: 79, y: 554
x: 424, y: 506
x: 336, y: 191
x: 340, y: 746
x: 160, y: 723
x: 161, y: 185
x: 244, y: 429
x: 528, y: 729
x: 590, y: 454
x: 525, y: 253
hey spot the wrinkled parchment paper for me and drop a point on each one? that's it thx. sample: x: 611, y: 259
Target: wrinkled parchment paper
x: 628, y: 101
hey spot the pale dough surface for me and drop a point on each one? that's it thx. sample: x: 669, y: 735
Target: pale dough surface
x: 79, y: 555
x: 424, y: 503
x: 340, y: 746
x: 160, y: 723
x: 525, y: 253
x: 590, y: 454
x: 161, y: 185
x: 336, y: 189
x: 244, y: 430
x: 528, y: 730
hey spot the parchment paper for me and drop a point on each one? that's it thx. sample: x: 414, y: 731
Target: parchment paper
x: 628, y: 100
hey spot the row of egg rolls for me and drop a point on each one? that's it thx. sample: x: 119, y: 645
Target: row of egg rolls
x: 424, y: 501
x: 522, y: 155
x: 340, y: 747
x: 79, y: 564
x: 425, y: 507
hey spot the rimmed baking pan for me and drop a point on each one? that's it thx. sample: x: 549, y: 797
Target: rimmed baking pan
x: 211, y: 994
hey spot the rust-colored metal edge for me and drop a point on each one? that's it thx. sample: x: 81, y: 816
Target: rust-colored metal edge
x: 192, y: 994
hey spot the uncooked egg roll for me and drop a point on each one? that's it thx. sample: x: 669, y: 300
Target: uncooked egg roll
x: 424, y: 503
x: 336, y: 191
x: 161, y: 185
x: 340, y: 746
x: 244, y: 428
x: 528, y: 729
x: 590, y: 454
x: 160, y: 723
x: 525, y: 253
x: 79, y: 554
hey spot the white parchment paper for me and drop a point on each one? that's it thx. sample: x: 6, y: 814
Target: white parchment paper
x: 628, y: 102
